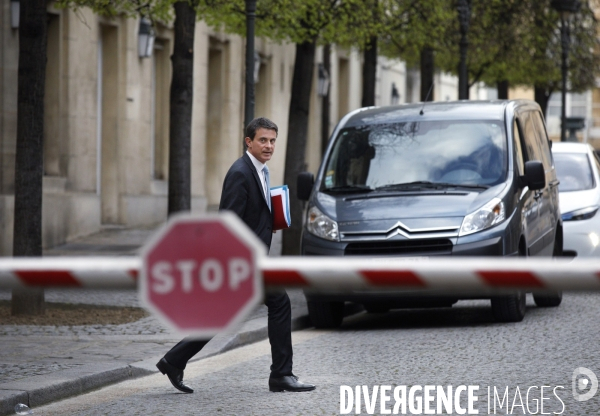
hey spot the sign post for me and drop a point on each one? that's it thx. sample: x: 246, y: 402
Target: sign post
x: 199, y: 275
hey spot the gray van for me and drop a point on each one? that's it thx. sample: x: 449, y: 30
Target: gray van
x: 466, y: 178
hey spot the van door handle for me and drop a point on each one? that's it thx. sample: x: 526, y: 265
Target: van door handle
x: 554, y: 183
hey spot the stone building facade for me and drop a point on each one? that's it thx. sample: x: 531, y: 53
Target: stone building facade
x: 107, y: 119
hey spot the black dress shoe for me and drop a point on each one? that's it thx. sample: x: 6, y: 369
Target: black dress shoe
x: 175, y: 375
x: 289, y: 383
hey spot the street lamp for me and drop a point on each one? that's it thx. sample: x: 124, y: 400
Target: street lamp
x: 323, y: 84
x: 464, y: 17
x: 146, y: 37
x: 15, y: 9
x: 565, y: 8
x: 395, y: 95
x: 323, y: 91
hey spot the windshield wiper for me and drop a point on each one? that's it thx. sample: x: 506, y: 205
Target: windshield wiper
x: 471, y: 186
x: 427, y: 185
x: 349, y: 188
x: 407, y: 185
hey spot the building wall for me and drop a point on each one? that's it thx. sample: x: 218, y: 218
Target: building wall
x: 106, y: 137
x: 107, y: 118
x: 9, y: 56
x: 390, y: 74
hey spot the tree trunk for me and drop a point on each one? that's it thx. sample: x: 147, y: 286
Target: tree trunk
x: 427, y: 73
x: 502, y: 87
x: 325, y: 105
x: 297, y: 137
x: 29, y: 170
x: 181, y: 99
x: 369, y: 73
x: 542, y: 96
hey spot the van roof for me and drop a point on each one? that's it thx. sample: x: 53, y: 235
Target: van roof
x: 442, y: 110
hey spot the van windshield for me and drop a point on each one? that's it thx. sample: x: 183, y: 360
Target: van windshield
x: 417, y: 154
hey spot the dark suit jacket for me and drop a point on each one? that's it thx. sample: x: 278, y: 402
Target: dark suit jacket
x: 243, y: 194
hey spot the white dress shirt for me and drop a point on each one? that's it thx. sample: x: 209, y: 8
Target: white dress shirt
x: 259, y: 169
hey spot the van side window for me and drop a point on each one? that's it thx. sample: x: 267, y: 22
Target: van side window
x: 542, y: 136
x: 520, y: 160
x: 531, y: 138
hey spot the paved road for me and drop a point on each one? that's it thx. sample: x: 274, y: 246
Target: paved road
x: 445, y: 347
x: 34, y: 350
x: 43, y: 363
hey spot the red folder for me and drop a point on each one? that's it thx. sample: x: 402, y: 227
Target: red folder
x: 279, y: 218
x: 280, y: 207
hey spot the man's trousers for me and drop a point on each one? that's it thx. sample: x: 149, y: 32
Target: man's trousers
x: 280, y: 337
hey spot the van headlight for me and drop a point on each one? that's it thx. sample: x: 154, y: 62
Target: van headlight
x: 321, y: 225
x: 487, y: 216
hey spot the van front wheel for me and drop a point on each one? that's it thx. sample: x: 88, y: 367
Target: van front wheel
x: 325, y: 315
x: 509, y: 308
x: 552, y: 298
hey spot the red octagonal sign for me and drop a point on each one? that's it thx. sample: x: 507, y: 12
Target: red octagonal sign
x: 199, y: 273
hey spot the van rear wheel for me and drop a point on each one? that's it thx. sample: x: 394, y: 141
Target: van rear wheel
x: 509, y: 308
x: 548, y: 299
x: 325, y: 315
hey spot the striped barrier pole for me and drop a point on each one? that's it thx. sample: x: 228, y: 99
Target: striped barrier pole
x: 83, y: 272
x: 491, y: 274
x: 486, y: 275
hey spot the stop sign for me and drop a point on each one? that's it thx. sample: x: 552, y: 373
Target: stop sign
x: 199, y: 273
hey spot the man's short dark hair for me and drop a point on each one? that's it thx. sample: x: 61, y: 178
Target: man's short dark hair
x: 257, y: 123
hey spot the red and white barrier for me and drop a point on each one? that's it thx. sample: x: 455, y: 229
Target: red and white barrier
x: 328, y: 273
x: 84, y: 272
x: 442, y: 273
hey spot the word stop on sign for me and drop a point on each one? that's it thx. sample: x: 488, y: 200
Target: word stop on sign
x: 211, y: 275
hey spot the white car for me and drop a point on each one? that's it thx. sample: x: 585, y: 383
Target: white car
x: 578, y: 170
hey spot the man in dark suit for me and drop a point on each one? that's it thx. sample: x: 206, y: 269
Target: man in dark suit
x: 246, y: 193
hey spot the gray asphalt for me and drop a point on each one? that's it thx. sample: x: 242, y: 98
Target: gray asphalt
x: 41, y: 364
x: 458, y: 346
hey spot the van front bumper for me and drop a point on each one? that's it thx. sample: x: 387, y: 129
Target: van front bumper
x: 492, y: 246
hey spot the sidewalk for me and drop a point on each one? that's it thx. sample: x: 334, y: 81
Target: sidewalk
x: 40, y: 364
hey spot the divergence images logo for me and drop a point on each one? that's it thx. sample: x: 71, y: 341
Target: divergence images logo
x: 584, y: 379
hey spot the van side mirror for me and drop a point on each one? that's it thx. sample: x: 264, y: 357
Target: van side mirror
x: 305, y: 183
x: 535, y: 175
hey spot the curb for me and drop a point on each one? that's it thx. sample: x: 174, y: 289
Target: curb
x: 40, y: 390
